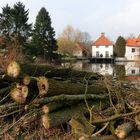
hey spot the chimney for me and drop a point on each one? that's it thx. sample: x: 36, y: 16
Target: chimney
x: 103, y: 33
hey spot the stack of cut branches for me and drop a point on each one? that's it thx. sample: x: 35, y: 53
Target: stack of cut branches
x: 43, y: 96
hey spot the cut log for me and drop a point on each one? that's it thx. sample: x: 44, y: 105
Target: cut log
x: 53, y: 106
x: 5, y: 91
x: 9, y: 107
x: 66, y: 98
x: 50, y: 120
x: 43, y: 85
x: 52, y: 87
x: 80, y: 126
x: 123, y: 130
x: 19, y: 94
x: 13, y: 69
x: 56, y: 105
x: 50, y: 71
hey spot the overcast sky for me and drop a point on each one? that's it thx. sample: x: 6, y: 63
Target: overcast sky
x: 114, y: 17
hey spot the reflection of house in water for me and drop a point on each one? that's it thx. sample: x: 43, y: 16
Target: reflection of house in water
x: 132, y: 68
x: 105, y: 69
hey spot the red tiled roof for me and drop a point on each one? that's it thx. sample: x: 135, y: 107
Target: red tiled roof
x: 102, y: 40
x: 133, y: 42
x: 81, y: 46
x: 138, y: 38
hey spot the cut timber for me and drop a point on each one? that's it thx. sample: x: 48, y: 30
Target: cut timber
x: 58, y: 118
x: 43, y: 85
x: 27, y: 80
x: 123, y: 130
x: 19, y: 94
x: 52, y: 106
x: 59, y: 104
x: 5, y: 91
x: 13, y: 69
x: 50, y: 71
x: 58, y: 87
x: 80, y: 126
x: 66, y: 98
x: 50, y: 120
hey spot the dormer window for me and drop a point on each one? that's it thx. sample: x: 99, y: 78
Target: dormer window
x: 106, y: 46
x: 97, y: 46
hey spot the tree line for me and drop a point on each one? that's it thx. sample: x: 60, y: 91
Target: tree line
x: 39, y: 40
x: 36, y: 41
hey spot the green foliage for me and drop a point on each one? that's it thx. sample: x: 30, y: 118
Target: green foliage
x: 43, y: 41
x: 120, y: 47
x: 14, y: 23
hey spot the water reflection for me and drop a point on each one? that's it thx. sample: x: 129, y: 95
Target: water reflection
x: 118, y: 69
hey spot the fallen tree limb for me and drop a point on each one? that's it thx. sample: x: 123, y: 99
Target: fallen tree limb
x: 59, y: 87
x: 118, y: 116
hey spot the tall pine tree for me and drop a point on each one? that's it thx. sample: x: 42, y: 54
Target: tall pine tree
x: 21, y: 28
x: 43, y: 40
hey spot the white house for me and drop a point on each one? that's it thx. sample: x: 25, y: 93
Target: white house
x: 102, y: 47
x: 132, y: 52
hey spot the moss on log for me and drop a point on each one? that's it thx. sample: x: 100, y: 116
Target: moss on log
x: 50, y: 71
x: 50, y: 120
x: 67, y: 98
x: 59, y: 87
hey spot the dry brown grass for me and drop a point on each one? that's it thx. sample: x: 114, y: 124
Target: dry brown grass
x: 13, y: 53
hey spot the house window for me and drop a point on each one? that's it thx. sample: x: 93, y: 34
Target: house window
x: 106, y: 46
x: 97, y: 54
x: 97, y: 46
x: 133, y: 71
x: 133, y: 49
x: 106, y: 54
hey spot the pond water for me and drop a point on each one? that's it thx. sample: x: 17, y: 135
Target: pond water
x: 131, y: 70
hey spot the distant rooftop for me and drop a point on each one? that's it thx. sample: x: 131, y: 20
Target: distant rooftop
x: 102, y: 41
x: 134, y: 42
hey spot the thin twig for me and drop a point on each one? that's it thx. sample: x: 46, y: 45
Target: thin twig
x: 101, y: 130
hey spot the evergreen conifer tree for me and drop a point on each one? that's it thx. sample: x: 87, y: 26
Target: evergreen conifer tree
x: 120, y: 47
x: 14, y: 23
x: 43, y: 40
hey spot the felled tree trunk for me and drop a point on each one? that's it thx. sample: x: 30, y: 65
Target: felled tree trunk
x: 53, y: 106
x: 50, y: 71
x: 50, y: 120
x: 80, y: 126
x: 67, y: 98
x: 19, y: 94
x: 58, y: 87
